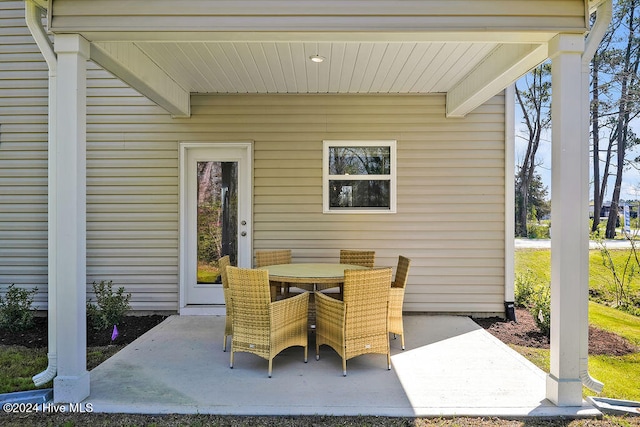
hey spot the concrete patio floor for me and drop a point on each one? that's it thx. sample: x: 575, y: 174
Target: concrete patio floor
x: 451, y: 367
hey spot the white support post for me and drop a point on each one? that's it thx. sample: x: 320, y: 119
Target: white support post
x: 569, y: 228
x: 68, y: 183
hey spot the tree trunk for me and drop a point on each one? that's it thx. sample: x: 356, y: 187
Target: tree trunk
x: 205, y: 182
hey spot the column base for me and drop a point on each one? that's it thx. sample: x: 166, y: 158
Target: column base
x: 71, y: 389
x: 567, y: 392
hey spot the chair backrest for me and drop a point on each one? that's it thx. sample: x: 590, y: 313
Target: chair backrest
x: 402, y: 272
x: 273, y: 257
x: 366, y: 296
x: 222, y: 267
x: 362, y: 258
x: 250, y: 299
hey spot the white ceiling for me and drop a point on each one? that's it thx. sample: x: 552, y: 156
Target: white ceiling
x: 285, y: 67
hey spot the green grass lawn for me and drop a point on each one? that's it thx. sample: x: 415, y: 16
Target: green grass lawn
x: 620, y: 374
x: 207, y: 273
x: 600, y: 277
x: 18, y: 365
x: 615, y: 321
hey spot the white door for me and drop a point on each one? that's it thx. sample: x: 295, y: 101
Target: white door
x: 215, y: 218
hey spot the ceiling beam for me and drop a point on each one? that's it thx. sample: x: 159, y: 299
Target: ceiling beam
x: 500, y: 68
x: 129, y: 63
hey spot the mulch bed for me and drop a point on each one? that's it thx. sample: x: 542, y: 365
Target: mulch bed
x: 524, y: 332
x: 130, y: 328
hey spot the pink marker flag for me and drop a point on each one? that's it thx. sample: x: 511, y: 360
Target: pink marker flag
x: 114, y: 334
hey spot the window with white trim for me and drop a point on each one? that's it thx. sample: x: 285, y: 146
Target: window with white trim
x: 359, y: 176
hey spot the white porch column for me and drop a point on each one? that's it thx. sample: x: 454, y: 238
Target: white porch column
x: 69, y: 185
x: 569, y: 221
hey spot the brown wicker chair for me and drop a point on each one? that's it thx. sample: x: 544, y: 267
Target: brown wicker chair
x: 396, y: 298
x: 274, y: 257
x: 363, y: 258
x: 359, y: 324
x: 228, y: 325
x: 260, y: 326
x: 277, y: 256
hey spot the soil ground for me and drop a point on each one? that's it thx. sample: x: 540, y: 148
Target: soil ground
x: 523, y: 332
x: 130, y: 328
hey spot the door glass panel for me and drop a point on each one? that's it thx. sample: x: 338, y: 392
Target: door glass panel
x: 217, y: 217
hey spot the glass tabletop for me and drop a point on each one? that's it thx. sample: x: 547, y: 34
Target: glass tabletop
x: 310, y: 272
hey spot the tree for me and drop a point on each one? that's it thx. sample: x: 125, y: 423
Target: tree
x: 538, y: 205
x: 534, y: 101
x: 614, y: 90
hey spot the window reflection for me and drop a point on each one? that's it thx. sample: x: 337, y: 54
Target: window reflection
x: 359, y: 194
x: 217, y: 217
x: 360, y: 160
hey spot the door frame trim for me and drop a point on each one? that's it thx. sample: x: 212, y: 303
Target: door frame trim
x: 183, y: 308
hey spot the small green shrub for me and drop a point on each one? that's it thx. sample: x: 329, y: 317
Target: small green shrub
x: 110, y: 306
x: 16, y: 312
x: 541, y: 309
x: 537, y: 230
x: 525, y: 286
x: 623, y: 274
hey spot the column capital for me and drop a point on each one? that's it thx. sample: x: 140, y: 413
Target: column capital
x: 566, y: 43
x: 71, y: 43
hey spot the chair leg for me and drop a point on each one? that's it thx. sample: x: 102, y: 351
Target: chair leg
x: 317, y: 350
x: 270, y: 367
x: 306, y: 353
x: 344, y: 367
x: 231, y: 359
x: 389, y: 361
x: 402, y: 340
x: 224, y: 346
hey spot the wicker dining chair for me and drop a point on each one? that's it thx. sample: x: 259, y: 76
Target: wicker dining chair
x: 260, y: 326
x: 359, y: 324
x: 396, y: 298
x: 228, y: 324
x: 362, y: 258
x: 274, y: 257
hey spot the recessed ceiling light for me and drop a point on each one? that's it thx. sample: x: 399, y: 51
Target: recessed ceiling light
x: 316, y: 58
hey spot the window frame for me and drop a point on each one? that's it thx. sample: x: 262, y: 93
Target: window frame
x: 391, y: 177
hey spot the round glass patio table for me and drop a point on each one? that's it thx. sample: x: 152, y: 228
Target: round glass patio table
x: 310, y: 273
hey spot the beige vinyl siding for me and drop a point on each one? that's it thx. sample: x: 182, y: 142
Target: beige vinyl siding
x: 132, y: 194
x: 450, y: 217
x: 23, y: 155
x: 292, y: 15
